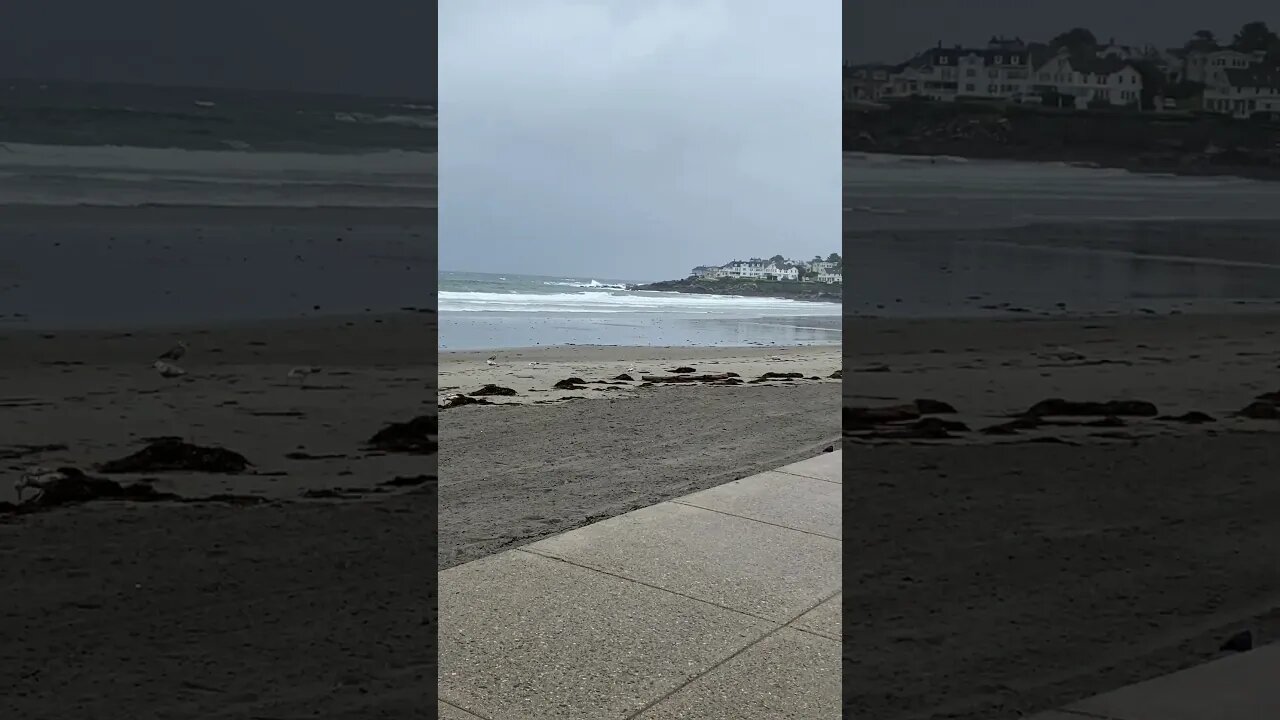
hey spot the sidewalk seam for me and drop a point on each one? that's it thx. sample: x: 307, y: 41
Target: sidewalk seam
x: 807, y: 477
x: 741, y: 650
x: 455, y: 706
x: 756, y: 520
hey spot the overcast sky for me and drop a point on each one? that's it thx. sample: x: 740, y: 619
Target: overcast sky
x: 893, y: 30
x: 370, y: 47
x: 635, y: 139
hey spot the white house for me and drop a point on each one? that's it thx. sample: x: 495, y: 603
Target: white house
x: 1089, y: 79
x: 1209, y: 66
x: 1245, y: 92
x: 757, y: 269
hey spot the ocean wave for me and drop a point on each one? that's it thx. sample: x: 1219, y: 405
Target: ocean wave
x: 424, y: 122
x: 628, y: 302
x: 594, y: 284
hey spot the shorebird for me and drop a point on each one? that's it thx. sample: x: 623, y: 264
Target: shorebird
x: 168, y: 370
x: 176, y: 352
x: 492, y: 361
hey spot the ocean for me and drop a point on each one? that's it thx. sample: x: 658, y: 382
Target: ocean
x: 480, y: 311
x: 159, y: 205
x: 947, y: 237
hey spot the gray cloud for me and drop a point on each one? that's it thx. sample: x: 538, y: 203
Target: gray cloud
x: 893, y: 30
x: 371, y: 47
x: 639, y: 138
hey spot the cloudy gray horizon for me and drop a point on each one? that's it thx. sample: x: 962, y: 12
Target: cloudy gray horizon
x: 885, y: 31
x: 636, y: 140
x: 375, y: 47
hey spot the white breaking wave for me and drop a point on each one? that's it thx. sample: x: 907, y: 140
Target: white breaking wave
x: 639, y: 302
x: 418, y: 121
x: 595, y: 284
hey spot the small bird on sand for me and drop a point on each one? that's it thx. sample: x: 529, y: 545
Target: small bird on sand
x: 168, y: 370
x: 176, y: 352
x: 492, y: 361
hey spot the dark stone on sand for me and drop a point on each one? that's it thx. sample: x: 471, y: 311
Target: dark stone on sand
x: 1117, y: 408
x: 1261, y: 410
x: 880, y: 415
x: 572, y: 383
x: 930, y: 423
x: 173, y: 454
x: 873, y: 369
x: 1012, y: 427
x: 731, y: 381
x: 836, y: 375
x: 1111, y: 421
x: 926, y: 406
x: 829, y: 448
x: 454, y: 401
x: 407, y: 437
x: 646, y: 384
x: 781, y: 376
x: 328, y: 494
x: 1240, y: 642
x: 409, y: 481
x: 684, y: 369
x: 1271, y: 397
x: 299, y: 455
x: 1195, y: 417
x: 626, y: 377
x: 492, y: 389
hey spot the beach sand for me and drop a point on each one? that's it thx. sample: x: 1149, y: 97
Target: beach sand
x: 992, y: 576
x: 520, y: 471
x: 291, y: 607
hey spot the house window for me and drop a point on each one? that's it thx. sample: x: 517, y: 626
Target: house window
x: 969, y: 87
x: 999, y: 59
x: 944, y: 60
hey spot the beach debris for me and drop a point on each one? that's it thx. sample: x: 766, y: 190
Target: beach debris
x: 1110, y: 421
x: 14, y: 452
x: 1117, y: 408
x: 407, y: 437
x: 1260, y: 410
x: 491, y: 389
x: 923, y: 429
x: 458, y: 400
x: 1240, y: 642
x: 836, y: 375
x: 873, y: 369
x: 685, y: 369
x: 168, y: 370
x: 925, y: 406
x: 625, y: 377
x: 301, y: 373
x: 1012, y: 427
x: 299, y: 455
x: 573, y: 383
x: 880, y: 415
x: 408, y: 481
x: 167, y: 454
x: 1195, y: 417
x: 829, y: 448
x: 492, y: 361
x: 331, y: 494
x: 688, y: 378
x: 174, y: 353
x: 68, y: 485
x: 781, y: 376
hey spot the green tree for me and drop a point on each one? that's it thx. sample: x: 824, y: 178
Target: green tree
x: 834, y: 258
x: 1074, y: 39
x: 778, y: 260
x: 1202, y: 40
x: 1255, y: 36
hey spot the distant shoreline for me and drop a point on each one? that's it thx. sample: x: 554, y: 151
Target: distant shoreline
x: 784, y: 289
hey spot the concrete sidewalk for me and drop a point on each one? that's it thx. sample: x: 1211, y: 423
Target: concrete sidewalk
x: 1238, y: 687
x: 722, y: 604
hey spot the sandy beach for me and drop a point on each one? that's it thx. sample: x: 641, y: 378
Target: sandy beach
x: 264, y: 606
x: 545, y: 460
x: 996, y: 574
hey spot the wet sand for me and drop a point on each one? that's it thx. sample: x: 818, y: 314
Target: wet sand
x: 520, y: 471
x: 999, y: 575
x: 292, y: 607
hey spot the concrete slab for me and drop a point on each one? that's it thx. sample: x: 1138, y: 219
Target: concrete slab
x: 792, y: 501
x: 745, y: 565
x: 789, y: 675
x: 448, y: 712
x: 823, y: 467
x: 525, y: 637
x: 824, y: 619
x: 1238, y: 687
